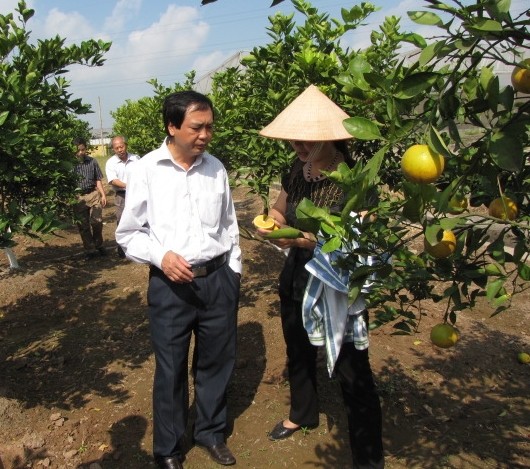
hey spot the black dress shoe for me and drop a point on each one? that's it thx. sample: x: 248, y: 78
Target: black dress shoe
x: 220, y: 454
x: 280, y: 432
x: 170, y: 462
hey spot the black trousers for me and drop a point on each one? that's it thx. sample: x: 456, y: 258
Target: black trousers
x: 207, y: 307
x: 355, y: 376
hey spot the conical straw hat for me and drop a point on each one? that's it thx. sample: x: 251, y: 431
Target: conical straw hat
x: 311, y: 117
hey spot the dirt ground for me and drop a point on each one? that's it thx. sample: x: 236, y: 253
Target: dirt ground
x: 76, y: 372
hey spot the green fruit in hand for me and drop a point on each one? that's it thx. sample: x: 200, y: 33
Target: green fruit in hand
x: 523, y: 357
x: 287, y: 232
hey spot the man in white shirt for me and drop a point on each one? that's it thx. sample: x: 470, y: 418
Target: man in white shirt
x: 179, y: 217
x: 116, y: 168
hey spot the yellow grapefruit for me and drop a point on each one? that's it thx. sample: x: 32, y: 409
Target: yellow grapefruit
x: 443, y: 248
x: 420, y: 164
x: 521, y: 78
x: 503, y: 208
x: 264, y: 222
x: 444, y: 335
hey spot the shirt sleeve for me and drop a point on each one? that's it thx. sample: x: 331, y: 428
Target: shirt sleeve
x: 110, y: 170
x: 133, y: 233
x: 229, y: 222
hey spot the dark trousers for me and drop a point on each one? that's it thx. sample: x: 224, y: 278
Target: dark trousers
x: 207, y: 307
x: 355, y: 376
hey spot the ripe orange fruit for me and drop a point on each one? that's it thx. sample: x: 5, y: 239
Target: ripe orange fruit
x: 444, y: 335
x: 420, y: 164
x: 264, y: 222
x: 521, y: 78
x: 503, y: 208
x: 443, y: 248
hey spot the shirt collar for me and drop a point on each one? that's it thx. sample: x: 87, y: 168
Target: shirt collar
x: 165, y: 154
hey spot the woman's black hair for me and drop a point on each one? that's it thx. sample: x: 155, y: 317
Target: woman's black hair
x: 342, y: 146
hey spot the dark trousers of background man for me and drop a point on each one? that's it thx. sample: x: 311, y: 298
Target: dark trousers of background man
x: 119, y: 203
x: 207, y: 307
x: 89, y: 220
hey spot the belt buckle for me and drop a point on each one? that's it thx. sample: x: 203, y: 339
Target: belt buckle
x: 200, y: 271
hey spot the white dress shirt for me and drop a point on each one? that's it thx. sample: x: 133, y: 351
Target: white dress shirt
x: 115, y: 168
x: 170, y: 209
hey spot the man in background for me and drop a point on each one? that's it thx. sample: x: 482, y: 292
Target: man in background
x: 91, y: 199
x: 117, y: 167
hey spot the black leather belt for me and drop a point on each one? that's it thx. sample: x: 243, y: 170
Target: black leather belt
x: 120, y: 192
x: 206, y: 268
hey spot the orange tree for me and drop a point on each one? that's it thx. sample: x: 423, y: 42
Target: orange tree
x: 445, y: 101
x: 38, y: 121
x: 249, y: 97
x: 448, y: 98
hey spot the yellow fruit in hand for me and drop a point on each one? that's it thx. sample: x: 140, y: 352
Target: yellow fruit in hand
x: 443, y: 248
x: 420, y: 164
x: 521, y: 78
x: 264, y: 222
x: 523, y: 357
x: 444, y: 335
x: 503, y: 208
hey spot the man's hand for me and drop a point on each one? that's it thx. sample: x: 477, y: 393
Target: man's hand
x: 176, y: 268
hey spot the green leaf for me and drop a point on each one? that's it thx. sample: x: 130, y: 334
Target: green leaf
x: 362, y: 128
x: 425, y: 17
x: 496, y: 249
x: 332, y: 245
x: 3, y: 117
x: 428, y: 53
x: 433, y: 233
x: 414, y: 38
x: 436, y: 142
x: 307, y: 209
x: 484, y: 25
x: 493, y: 270
x: 494, y: 288
x: 524, y: 271
x: 450, y: 223
x: 415, y: 84
x: 507, y: 151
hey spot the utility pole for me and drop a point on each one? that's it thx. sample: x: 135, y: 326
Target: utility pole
x: 101, y: 128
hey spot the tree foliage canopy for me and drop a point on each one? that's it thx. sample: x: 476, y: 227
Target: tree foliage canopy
x: 37, y: 125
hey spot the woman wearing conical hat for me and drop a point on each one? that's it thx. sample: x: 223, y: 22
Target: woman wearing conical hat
x: 312, y: 124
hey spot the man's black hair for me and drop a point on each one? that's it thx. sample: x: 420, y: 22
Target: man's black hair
x: 176, y: 104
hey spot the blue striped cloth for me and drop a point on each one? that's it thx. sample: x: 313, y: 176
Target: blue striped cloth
x: 328, y: 318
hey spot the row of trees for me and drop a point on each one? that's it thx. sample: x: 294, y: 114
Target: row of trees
x: 447, y: 97
x: 38, y: 121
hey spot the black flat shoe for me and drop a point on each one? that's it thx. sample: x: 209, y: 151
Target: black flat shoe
x: 280, y: 432
x: 220, y: 454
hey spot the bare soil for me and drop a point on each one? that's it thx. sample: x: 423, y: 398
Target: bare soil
x: 76, y: 372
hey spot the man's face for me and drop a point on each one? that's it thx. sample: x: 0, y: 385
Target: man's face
x: 120, y: 148
x: 195, y: 133
x: 81, y: 151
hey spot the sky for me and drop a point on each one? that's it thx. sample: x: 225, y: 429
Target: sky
x: 166, y: 39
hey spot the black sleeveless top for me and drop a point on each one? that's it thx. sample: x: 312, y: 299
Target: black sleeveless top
x: 323, y: 193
